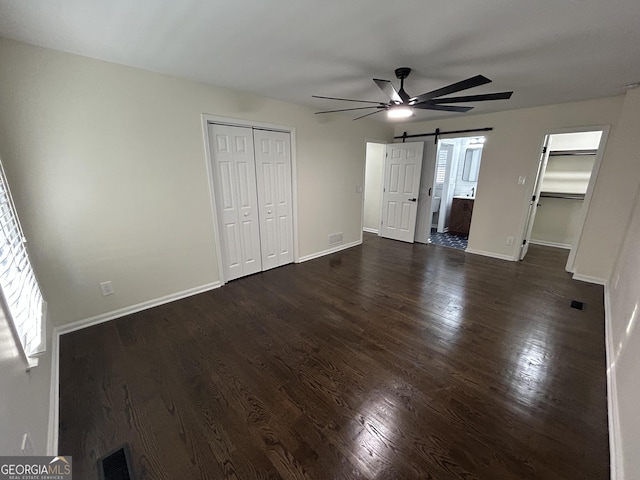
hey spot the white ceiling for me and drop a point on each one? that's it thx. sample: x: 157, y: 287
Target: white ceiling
x: 547, y: 51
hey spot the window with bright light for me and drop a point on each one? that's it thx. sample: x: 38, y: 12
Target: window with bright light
x: 20, y: 294
x: 441, y: 169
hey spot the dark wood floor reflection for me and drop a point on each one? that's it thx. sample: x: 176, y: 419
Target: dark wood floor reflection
x: 385, y: 361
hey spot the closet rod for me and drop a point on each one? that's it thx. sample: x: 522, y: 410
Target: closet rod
x: 563, y: 153
x: 567, y: 196
x: 437, y: 133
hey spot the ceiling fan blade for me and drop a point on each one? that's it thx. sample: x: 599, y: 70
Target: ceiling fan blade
x: 474, y: 98
x: 389, y: 90
x: 453, y: 88
x: 444, y: 108
x: 346, y: 99
x: 366, y: 115
x: 348, y: 109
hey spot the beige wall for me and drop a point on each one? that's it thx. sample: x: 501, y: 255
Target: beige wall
x: 512, y: 149
x: 623, y: 334
x: 568, y: 174
x: 613, y: 195
x: 373, y: 185
x: 24, y: 397
x: 624, y: 346
x: 556, y: 221
x: 107, y: 166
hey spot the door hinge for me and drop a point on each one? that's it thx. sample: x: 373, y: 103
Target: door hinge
x: 544, y: 149
x: 524, y: 242
x: 533, y: 199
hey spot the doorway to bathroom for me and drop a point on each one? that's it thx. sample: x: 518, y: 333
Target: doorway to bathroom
x: 455, y: 184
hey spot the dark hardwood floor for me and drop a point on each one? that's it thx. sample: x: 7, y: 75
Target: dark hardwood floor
x: 385, y: 361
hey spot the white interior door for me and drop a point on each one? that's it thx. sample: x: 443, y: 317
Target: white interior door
x: 401, y: 187
x: 233, y: 161
x: 273, y: 174
x: 427, y: 190
x: 535, y: 198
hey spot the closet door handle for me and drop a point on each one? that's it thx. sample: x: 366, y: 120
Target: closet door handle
x: 246, y: 214
x: 269, y: 212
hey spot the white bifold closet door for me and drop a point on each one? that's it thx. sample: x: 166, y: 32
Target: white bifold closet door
x: 252, y: 183
x: 273, y: 173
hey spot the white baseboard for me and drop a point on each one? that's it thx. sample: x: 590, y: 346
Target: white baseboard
x: 589, y: 279
x: 122, y: 312
x: 544, y: 243
x: 54, y: 391
x: 329, y: 251
x: 615, y: 439
x: 54, y: 396
x: 490, y: 254
x: 370, y: 230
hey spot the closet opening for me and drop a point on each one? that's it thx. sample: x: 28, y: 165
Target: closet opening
x: 568, y: 166
x: 251, y: 170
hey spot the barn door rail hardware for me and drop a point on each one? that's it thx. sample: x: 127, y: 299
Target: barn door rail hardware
x: 438, y: 132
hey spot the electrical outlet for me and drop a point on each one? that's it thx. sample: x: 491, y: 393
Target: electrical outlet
x: 510, y: 240
x: 107, y: 288
x: 521, y: 180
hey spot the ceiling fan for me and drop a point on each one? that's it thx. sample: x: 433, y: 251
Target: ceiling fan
x: 400, y: 103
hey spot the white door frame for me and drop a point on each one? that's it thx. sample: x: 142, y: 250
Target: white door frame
x: 535, y: 198
x: 570, y: 267
x: 236, y: 122
x: 364, y: 185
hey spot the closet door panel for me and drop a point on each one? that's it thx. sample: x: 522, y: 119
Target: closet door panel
x: 273, y: 158
x: 236, y: 199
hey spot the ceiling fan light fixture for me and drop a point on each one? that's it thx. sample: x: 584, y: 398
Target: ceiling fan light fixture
x: 399, y: 112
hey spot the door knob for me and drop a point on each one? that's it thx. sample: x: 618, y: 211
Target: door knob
x: 269, y: 212
x: 413, y: 199
x: 246, y: 214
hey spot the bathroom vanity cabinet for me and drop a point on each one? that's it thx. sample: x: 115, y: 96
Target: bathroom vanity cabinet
x: 460, y: 218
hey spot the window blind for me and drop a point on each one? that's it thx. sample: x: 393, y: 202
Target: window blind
x: 441, y: 169
x: 23, y: 302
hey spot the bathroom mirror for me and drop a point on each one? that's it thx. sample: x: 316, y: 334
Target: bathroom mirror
x: 471, y: 164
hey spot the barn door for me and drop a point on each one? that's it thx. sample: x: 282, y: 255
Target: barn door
x: 401, y: 187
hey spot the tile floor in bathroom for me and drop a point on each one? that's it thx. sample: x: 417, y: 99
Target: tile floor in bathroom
x: 448, y: 240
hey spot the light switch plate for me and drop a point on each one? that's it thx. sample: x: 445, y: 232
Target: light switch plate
x: 521, y: 180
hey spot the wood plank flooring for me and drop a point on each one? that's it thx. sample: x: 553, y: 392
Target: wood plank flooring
x: 384, y: 361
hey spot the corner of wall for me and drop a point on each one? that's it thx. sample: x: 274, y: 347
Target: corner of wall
x: 615, y: 438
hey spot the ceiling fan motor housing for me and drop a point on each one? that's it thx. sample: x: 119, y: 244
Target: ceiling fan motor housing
x: 402, y: 72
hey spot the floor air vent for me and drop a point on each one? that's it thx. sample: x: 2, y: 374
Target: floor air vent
x: 335, y: 238
x: 577, y: 305
x: 116, y: 465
